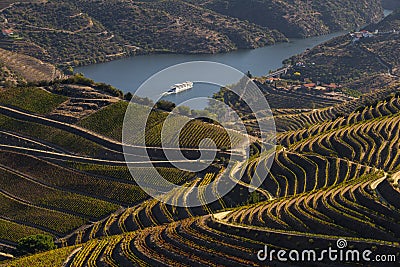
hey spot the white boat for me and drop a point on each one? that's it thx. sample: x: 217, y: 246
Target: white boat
x: 180, y: 87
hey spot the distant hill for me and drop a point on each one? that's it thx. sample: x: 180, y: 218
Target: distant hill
x: 301, y: 18
x: 85, y: 32
x: 363, y: 65
x: 391, y: 22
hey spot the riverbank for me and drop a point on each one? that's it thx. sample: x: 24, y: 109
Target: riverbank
x: 129, y: 73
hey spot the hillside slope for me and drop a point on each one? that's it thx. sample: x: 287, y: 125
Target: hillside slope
x: 340, y: 181
x: 90, y: 31
x: 365, y: 64
x: 85, y: 32
x: 301, y: 18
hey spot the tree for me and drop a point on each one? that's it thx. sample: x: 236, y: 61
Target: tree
x: 201, y: 114
x: 249, y: 74
x: 69, y: 70
x: 165, y: 105
x: 128, y: 96
x: 184, y: 110
x: 140, y: 100
x: 35, y: 243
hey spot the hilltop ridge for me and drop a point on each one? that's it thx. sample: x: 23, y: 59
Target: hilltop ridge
x: 85, y: 32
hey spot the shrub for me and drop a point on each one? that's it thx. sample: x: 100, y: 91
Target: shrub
x: 35, y: 244
x: 128, y: 96
x: 165, y: 105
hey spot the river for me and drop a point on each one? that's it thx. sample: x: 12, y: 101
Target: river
x: 129, y: 73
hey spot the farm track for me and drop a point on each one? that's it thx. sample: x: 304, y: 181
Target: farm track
x: 91, y: 136
x: 330, y: 180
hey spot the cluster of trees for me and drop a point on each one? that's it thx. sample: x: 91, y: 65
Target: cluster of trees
x: 183, y: 110
x: 35, y: 243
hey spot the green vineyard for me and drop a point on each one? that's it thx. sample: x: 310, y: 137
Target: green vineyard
x: 294, y: 162
x: 325, y: 181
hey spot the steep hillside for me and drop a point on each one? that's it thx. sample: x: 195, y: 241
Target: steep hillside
x: 90, y: 31
x: 339, y: 180
x: 86, y: 32
x: 362, y: 64
x: 27, y: 67
x: 301, y: 18
x: 57, y: 176
x: 390, y: 23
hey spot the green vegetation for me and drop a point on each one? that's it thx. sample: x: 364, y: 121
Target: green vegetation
x: 359, y: 65
x: 82, y: 80
x: 40, y: 195
x: 14, y: 231
x: 109, y: 122
x: 122, y: 173
x: 388, y: 107
x: 165, y: 105
x: 60, y: 138
x: 334, y: 172
x: 359, y: 143
x: 57, y: 176
x: 302, y: 120
x: 54, y: 258
x: 35, y: 243
x: 326, y: 181
x: 351, y: 92
x: 32, y: 99
x: 85, y: 32
x: 287, y: 224
x: 54, y: 221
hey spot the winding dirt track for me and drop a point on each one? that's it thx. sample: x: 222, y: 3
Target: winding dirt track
x: 94, y: 137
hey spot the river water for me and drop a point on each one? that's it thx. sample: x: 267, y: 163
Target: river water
x: 129, y: 73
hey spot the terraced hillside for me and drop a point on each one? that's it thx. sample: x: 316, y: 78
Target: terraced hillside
x: 234, y: 238
x: 294, y: 111
x: 380, y: 109
x: 58, y: 177
x: 31, y: 69
x: 192, y: 242
x: 70, y: 181
x: 292, y: 173
x: 301, y: 119
x: 194, y: 131
x: 325, y: 181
